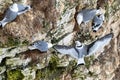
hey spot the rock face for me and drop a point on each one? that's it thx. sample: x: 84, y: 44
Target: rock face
x: 54, y: 21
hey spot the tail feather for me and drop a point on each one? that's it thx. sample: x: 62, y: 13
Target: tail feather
x: 0, y: 24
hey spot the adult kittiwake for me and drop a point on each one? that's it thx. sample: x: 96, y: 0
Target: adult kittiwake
x: 40, y: 45
x: 13, y: 11
x: 86, y: 15
x: 97, y: 22
x: 79, y: 51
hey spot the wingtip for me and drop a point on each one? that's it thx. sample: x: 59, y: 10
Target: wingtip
x: 110, y: 35
x: 1, y: 25
x: 56, y: 46
x: 59, y: 47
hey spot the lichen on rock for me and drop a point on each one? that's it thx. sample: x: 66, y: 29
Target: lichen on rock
x: 54, y: 21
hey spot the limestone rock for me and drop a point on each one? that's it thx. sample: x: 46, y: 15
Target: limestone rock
x: 54, y: 21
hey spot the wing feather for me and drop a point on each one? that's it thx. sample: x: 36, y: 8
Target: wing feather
x: 67, y: 50
x: 99, y: 44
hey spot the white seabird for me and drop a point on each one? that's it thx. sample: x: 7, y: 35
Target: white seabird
x: 12, y: 12
x: 79, y: 51
x: 97, y: 22
x: 40, y: 45
x: 86, y: 15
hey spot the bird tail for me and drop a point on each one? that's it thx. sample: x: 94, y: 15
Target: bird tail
x: 80, y: 61
x: 0, y: 24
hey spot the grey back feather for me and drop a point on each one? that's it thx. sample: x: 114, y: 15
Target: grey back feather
x: 10, y: 15
x: 88, y: 14
x: 67, y: 50
x: 41, y: 45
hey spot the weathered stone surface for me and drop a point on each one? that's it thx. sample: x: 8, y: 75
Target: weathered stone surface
x: 54, y: 21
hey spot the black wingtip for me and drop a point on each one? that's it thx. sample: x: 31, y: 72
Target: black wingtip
x: 0, y: 25
x: 110, y: 35
x: 94, y: 31
x: 57, y: 46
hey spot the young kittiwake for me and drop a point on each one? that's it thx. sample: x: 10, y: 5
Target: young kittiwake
x: 40, y: 45
x: 97, y: 22
x: 79, y: 51
x: 13, y: 11
x: 86, y: 15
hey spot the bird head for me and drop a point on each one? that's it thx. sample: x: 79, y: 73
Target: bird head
x: 96, y: 24
x: 14, y: 7
x: 78, y: 44
x: 49, y: 45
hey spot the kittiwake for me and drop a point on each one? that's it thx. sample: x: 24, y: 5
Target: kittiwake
x: 79, y: 51
x: 40, y: 45
x: 86, y: 15
x: 97, y: 22
x: 13, y: 11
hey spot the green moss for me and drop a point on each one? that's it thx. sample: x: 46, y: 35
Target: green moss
x: 88, y: 61
x: 54, y: 61
x: 12, y: 42
x: 51, y: 72
x: 14, y: 75
x: 25, y: 42
x: 84, y: 36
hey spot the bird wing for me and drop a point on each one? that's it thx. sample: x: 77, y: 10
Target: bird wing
x: 99, y: 44
x: 21, y: 7
x: 67, y: 50
x: 88, y: 14
x: 9, y: 16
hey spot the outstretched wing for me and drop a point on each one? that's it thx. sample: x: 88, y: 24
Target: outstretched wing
x: 67, y: 50
x: 9, y: 16
x: 99, y: 44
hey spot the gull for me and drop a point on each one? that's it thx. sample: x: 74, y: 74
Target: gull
x: 86, y: 15
x: 13, y: 11
x: 79, y: 51
x: 97, y: 22
x: 42, y: 46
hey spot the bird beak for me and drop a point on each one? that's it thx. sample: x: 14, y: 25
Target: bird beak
x: 50, y: 45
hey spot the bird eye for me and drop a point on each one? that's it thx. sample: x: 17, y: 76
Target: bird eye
x: 93, y: 24
x: 94, y: 31
x: 98, y: 15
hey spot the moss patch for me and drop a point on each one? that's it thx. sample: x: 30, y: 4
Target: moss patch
x: 12, y: 42
x: 14, y: 75
x: 88, y: 61
x: 51, y: 72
